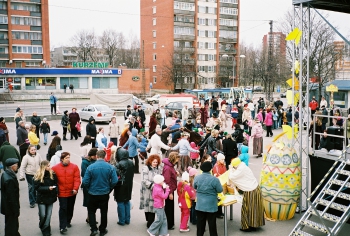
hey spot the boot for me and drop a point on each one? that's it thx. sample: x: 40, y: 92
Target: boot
x: 64, y: 137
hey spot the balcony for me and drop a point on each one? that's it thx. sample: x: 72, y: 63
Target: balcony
x: 37, y: 14
x: 184, y: 37
x: 184, y: 12
x: 184, y: 86
x: 227, y: 40
x: 184, y: 62
x: 228, y: 51
x: 36, y: 42
x: 4, y: 41
x: 185, y: 24
x: 231, y: 28
x: 3, y: 12
x: 4, y: 56
x: 35, y: 28
x: 4, y: 26
x: 35, y: 1
x: 37, y: 56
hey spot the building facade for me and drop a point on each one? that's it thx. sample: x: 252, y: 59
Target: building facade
x: 24, y: 33
x: 278, y: 43
x: 342, y: 65
x: 190, y: 44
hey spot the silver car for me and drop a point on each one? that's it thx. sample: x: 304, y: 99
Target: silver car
x: 101, y: 113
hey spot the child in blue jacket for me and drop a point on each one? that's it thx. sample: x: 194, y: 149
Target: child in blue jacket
x: 244, y: 157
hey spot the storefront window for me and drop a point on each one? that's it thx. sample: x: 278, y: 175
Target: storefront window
x: 40, y: 83
x: 104, y: 83
x: 77, y: 82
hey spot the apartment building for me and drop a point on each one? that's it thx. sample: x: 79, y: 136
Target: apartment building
x: 24, y: 33
x: 190, y: 44
x: 278, y: 43
x: 342, y: 66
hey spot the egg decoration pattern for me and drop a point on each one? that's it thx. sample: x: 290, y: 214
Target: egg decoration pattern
x: 280, y: 181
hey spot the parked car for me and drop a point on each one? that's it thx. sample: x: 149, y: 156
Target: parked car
x: 176, y: 106
x: 138, y: 102
x: 154, y: 99
x: 283, y: 95
x: 101, y: 113
x: 257, y: 89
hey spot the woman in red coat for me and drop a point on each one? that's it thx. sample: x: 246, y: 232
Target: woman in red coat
x: 152, y: 124
x: 204, y: 115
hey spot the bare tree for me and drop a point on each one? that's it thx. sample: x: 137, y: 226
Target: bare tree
x: 180, y: 70
x: 322, y: 54
x: 109, y: 42
x: 84, y: 45
x: 132, y: 52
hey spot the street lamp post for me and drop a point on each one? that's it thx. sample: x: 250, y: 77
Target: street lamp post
x: 234, y: 64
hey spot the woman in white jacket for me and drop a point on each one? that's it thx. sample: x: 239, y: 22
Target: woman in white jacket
x: 155, y: 144
x: 101, y: 139
x: 30, y: 164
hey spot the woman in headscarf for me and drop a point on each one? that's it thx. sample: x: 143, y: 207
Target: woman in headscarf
x: 152, y: 125
x: 257, y: 135
x: 252, y: 212
x: 204, y: 115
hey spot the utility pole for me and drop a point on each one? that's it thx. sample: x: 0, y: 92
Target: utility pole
x: 143, y: 69
x: 269, y: 65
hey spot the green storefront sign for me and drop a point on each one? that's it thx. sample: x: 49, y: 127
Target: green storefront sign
x: 90, y: 64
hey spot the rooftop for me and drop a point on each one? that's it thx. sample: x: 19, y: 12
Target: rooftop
x: 330, y: 5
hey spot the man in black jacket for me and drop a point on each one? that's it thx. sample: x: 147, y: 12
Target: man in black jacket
x: 10, y: 197
x: 123, y: 190
x: 127, y: 112
x: 91, y: 131
x: 22, y: 139
x: 165, y: 134
x: 324, y: 119
x: 141, y: 114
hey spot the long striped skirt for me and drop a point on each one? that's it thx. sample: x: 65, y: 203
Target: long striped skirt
x: 252, y: 213
x: 258, y: 146
x: 183, y: 163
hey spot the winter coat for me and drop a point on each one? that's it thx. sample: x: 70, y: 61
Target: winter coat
x: 210, y: 144
x: 246, y: 115
x: 68, y: 179
x: 30, y: 164
x: 133, y: 144
x: 124, y: 136
x: 194, y: 155
x: 219, y: 169
x: 125, y: 171
x: 142, y: 115
x: 184, y: 147
x: 159, y: 195
x: 169, y: 174
x: 84, y: 165
x: 156, y: 144
x: 230, y: 148
x: 114, y: 130
x: 17, y: 120
x: 56, y: 159
x: 152, y: 125
x: 147, y: 184
x: 238, y: 135
x: 234, y: 112
x: 9, y: 194
x: 223, y: 118
x: 101, y: 141
x: 22, y: 136
x: 43, y: 194
x: 33, y: 139
x: 164, y: 137
x: 8, y: 151
x: 91, y: 128
x: 244, y: 155
x: 184, y: 113
x: 260, y: 117
x: 185, y: 194
x: 268, y: 119
x: 3, y: 126
x: 45, y: 128
x: 74, y: 118
x: 143, y: 144
x: 257, y: 131
x: 35, y: 120
x: 204, y: 115
x: 64, y: 121
x: 325, y: 119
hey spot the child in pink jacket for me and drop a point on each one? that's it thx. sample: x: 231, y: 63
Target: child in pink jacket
x: 160, y: 225
x: 186, y: 193
x: 194, y: 155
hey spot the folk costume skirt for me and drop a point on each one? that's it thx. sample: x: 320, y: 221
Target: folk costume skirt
x: 252, y: 212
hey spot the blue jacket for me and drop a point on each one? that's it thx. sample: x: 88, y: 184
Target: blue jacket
x: 133, y: 144
x: 207, y: 187
x: 144, y: 143
x: 53, y: 99
x: 100, y: 178
x: 175, y: 126
x: 244, y: 155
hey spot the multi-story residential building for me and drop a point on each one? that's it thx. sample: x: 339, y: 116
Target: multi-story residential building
x: 278, y: 43
x: 190, y: 43
x: 342, y: 66
x: 24, y: 33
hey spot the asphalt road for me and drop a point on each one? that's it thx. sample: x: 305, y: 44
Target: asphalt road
x: 29, y: 216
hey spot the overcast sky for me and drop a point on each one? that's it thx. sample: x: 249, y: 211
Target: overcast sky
x: 67, y: 17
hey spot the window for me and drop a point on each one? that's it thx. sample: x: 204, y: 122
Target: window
x: 154, y: 33
x: 184, y: 6
x: 154, y: 21
x: 201, y: 21
x: 154, y: 79
x: 202, y: 9
x: 3, y: 5
x: 201, y: 33
x: 229, y: 1
x: 26, y: 35
x: 211, y: 68
x: 154, y: 10
x: 201, y: 57
x: 33, y: 83
x: 3, y: 35
x: 188, y: 45
x: 27, y: 49
x: 211, y: 10
x: 2, y: 63
x: 4, y: 50
x: 211, y: 34
x: 211, y: 22
x: 154, y: 68
x: 211, y: 45
x: 102, y: 83
x: 25, y: 7
x: 228, y: 11
x: 15, y: 20
x: 201, y: 45
x: 18, y: 64
x: 201, y: 68
x: 3, y: 19
x: 154, y: 45
x: 154, y: 56
x: 32, y: 64
x: 184, y: 30
x: 227, y: 34
x: 211, y: 57
x: 182, y: 18
x: 176, y: 44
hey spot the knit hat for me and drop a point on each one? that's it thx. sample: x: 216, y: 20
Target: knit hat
x: 185, y: 177
x: 213, y: 153
x: 220, y: 157
x: 158, y: 179
x: 235, y: 162
x: 54, y: 133
x: 164, y: 126
x: 11, y: 161
x: 178, y: 121
x: 225, y: 133
x: 206, y: 166
x: 191, y: 171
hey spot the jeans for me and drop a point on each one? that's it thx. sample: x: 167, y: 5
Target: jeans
x: 45, y: 212
x: 160, y: 225
x: 211, y: 112
x: 185, y: 215
x: 193, y: 214
x: 66, y: 210
x: 239, y: 146
x: 252, y: 113
x: 124, y: 212
x: 45, y: 137
x: 31, y: 190
x: 184, y: 122
x: 202, y: 217
x: 275, y: 124
x: 95, y: 202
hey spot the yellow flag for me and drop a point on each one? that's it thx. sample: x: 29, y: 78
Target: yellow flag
x: 297, y: 66
x: 296, y: 83
x: 295, y: 35
x: 290, y: 99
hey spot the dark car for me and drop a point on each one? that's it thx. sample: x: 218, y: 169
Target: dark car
x: 176, y: 106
